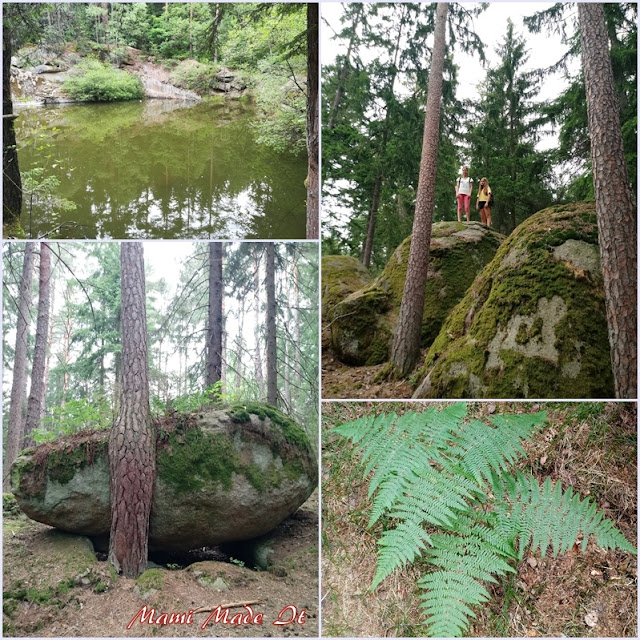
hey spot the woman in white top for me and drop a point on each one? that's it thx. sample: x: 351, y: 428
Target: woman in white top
x: 464, y: 187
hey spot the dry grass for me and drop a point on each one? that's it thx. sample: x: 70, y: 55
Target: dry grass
x: 589, y: 446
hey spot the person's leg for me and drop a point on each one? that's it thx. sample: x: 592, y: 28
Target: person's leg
x: 487, y: 215
x: 467, y: 205
x: 483, y: 215
x: 460, y: 197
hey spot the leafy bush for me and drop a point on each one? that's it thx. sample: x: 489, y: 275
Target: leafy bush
x: 283, y: 105
x: 194, y: 76
x: 449, y: 502
x: 96, y: 82
x: 76, y: 415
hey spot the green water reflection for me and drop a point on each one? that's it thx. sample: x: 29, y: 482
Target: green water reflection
x: 161, y: 169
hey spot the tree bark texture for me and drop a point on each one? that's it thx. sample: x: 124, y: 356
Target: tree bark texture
x: 257, y: 358
x: 15, y: 429
x: 37, y: 392
x: 313, y: 179
x: 214, y: 323
x: 132, y: 441
x: 406, y: 342
x: 11, y: 181
x: 617, y: 230
x: 272, y: 367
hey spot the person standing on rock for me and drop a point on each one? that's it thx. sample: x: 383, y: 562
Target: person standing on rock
x: 484, y: 201
x: 464, y: 187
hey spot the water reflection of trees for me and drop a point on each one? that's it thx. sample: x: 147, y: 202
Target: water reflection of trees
x: 167, y: 172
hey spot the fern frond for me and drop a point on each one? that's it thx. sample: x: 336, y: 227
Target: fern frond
x: 547, y: 516
x: 446, y: 483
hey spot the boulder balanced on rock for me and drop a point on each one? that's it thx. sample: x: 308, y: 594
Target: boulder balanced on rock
x: 222, y: 475
x: 362, y: 324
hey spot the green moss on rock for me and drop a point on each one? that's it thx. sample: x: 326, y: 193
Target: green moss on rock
x: 341, y: 276
x: 362, y: 325
x: 533, y: 324
x: 151, y: 579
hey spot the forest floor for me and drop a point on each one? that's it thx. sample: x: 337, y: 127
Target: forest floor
x: 588, y: 446
x: 55, y: 586
x: 344, y: 381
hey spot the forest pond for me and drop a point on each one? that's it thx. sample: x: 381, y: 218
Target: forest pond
x: 158, y: 169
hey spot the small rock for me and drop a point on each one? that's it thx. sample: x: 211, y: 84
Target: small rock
x: 543, y: 460
x: 591, y: 619
x: 532, y: 562
x: 491, y: 408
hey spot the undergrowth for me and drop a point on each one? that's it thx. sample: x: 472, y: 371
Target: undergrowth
x: 445, y: 490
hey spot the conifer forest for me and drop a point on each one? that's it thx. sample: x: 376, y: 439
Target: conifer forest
x: 319, y: 320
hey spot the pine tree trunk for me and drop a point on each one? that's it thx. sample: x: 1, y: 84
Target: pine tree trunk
x: 45, y: 386
x: 617, y: 231
x: 15, y: 429
x: 132, y: 442
x: 214, y: 324
x: 373, y: 214
x: 36, y: 394
x: 313, y: 179
x: 272, y: 368
x: 11, y: 181
x: 256, y: 293
x: 377, y: 186
x: 406, y: 342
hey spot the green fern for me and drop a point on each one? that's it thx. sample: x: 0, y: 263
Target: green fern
x: 446, y: 484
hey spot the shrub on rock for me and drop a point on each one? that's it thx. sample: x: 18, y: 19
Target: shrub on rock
x: 533, y: 324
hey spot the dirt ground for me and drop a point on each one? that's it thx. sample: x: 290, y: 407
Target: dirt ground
x: 343, y: 381
x: 55, y: 586
x: 589, y: 446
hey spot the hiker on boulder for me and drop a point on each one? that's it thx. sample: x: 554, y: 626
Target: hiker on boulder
x: 464, y: 187
x: 484, y: 202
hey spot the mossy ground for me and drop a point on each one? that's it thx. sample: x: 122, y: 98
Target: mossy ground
x: 503, y: 291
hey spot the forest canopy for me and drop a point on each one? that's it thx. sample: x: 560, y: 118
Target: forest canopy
x: 518, y: 122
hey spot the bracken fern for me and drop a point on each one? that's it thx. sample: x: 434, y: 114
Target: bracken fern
x: 447, y: 483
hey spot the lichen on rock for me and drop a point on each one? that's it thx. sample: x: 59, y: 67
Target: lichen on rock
x: 362, y: 325
x: 533, y: 324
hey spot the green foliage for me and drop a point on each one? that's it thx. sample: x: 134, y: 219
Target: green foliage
x: 190, y: 402
x: 444, y: 487
x: 96, y: 82
x: 93, y: 413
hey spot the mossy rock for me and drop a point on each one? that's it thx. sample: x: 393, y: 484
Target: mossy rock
x: 341, y: 276
x: 362, y: 325
x: 533, y: 324
x: 222, y: 475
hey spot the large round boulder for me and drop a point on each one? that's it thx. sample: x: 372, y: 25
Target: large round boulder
x: 533, y: 324
x: 362, y: 325
x: 341, y: 276
x: 222, y: 475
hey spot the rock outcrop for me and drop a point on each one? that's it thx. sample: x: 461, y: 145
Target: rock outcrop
x: 362, y: 325
x: 222, y: 475
x: 341, y: 276
x: 533, y: 324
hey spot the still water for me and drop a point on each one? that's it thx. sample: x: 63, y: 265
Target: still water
x: 159, y: 169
